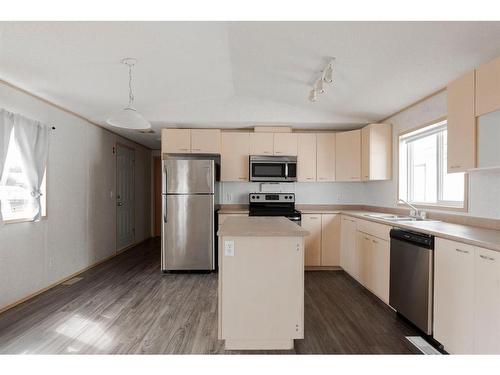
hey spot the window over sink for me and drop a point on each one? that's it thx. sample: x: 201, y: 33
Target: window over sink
x: 423, y: 176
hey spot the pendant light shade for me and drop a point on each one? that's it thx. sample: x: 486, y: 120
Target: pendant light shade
x: 128, y: 117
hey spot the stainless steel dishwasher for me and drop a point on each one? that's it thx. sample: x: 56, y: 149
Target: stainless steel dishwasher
x: 411, y: 281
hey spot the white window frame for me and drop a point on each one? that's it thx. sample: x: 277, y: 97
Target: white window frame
x: 432, y: 128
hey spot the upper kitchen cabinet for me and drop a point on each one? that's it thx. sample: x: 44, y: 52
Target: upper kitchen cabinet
x: 461, y: 124
x: 234, y: 156
x: 325, y: 157
x: 205, y: 141
x: 262, y: 143
x: 348, y: 156
x: 376, y: 152
x: 175, y: 141
x: 285, y: 144
x: 488, y: 131
x: 306, y: 157
x: 488, y: 87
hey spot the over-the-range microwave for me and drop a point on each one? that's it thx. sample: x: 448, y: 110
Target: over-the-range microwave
x: 273, y: 168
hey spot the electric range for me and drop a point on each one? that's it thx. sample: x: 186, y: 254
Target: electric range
x: 274, y: 204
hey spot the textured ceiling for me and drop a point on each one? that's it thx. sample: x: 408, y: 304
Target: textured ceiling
x: 238, y: 74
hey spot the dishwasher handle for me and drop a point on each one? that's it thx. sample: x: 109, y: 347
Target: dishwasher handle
x: 423, y: 240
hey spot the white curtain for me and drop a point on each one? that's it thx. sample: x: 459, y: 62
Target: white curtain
x: 6, y: 125
x: 32, y: 138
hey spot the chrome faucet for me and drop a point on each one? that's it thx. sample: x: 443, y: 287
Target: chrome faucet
x: 415, y: 212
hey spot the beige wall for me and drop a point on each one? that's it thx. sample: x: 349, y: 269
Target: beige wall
x: 80, y: 228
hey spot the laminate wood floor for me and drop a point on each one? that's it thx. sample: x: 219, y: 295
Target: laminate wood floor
x: 127, y: 306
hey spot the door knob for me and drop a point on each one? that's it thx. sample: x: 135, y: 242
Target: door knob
x: 119, y: 204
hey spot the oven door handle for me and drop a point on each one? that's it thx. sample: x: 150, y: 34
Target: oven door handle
x: 286, y: 170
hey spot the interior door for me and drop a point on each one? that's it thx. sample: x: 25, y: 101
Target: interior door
x: 125, y: 193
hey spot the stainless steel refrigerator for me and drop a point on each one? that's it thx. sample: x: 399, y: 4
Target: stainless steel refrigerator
x: 188, y: 214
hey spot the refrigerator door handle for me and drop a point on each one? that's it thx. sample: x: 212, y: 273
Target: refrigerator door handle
x: 164, y: 208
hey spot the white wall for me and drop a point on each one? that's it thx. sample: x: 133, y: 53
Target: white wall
x: 484, y: 186
x: 80, y: 227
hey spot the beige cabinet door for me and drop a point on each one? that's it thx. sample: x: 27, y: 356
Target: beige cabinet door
x: 285, y: 144
x: 176, y: 141
x: 363, y: 264
x: 205, y: 141
x: 235, y: 148
x: 224, y: 217
x: 487, y: 301
x: 376, y: 152
x: 348, y: 253
x: 330, y: 240
x: 312, y: 223
x: 380, y: 268
x: 325, y: 157
x: 453, y: 296
x: 488, y: 87
x: 261, y: 143
x: 348, y: 156
x: 461, y: 124
x: 306, y: 157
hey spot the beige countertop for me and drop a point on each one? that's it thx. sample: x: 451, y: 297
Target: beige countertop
x: 481, y: 237
x: 252, y: 226
x: 475, y: 236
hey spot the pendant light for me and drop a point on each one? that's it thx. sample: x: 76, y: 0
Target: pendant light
x: 128, y: 117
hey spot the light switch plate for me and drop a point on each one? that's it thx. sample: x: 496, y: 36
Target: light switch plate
x: 229, y: 248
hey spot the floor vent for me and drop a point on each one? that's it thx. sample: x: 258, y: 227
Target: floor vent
x: 422, y: 345
x: 72, y: 281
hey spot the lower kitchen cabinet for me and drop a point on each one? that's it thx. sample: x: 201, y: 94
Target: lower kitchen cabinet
x: 374, y: 264
x: 348, y: 251
x: 454, y: 296
x: 312, y: 223
x: 330, y: 240
x: 322, y: 246
x: 487, y: 302
x: 466, y: 298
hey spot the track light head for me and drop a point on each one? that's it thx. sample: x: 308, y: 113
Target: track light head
x: 319, y: 86
x: 328, y: 76
x: 313, y: 96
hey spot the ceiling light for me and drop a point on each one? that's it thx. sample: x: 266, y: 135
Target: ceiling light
x: 319, y: 86
x: 328, y: 77
x: 313, y: 96
x: 128, y: 117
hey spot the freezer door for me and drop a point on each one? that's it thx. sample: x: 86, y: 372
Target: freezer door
x: 188, y: 232
x: 188, y: 176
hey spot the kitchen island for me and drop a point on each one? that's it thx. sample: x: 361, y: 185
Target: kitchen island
x: 261, y: 283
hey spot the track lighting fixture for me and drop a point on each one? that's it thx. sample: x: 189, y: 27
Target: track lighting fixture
x: 319, y: 86
x: 326, y: 76
x: 313, y: 96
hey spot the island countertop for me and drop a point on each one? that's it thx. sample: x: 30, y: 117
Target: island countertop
x: 261, y: 226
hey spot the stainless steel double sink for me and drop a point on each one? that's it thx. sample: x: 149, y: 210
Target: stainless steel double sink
x: 396, y: 218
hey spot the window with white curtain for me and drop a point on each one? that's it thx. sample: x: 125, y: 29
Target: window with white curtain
x: 15, y: 197
x: 423, y: 177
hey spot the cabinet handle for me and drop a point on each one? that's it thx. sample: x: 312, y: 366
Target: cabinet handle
x: 242, y: 178
x: 486, y: 258
x: 277, y: 152
x: 367, y: 239
x: 462, y: 251
x: 374, y: 241
x: 309, y: 178
x: 196, y: 149
x: 455, y: 166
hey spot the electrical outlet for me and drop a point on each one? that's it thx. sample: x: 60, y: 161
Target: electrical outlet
x: 229, y: 248
x: 339, y: 197
x: 229, y: 197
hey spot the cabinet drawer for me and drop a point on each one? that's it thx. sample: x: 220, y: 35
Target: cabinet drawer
x: 375, y: 229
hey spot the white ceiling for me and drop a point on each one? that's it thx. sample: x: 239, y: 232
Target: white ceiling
x: 238, y: 74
